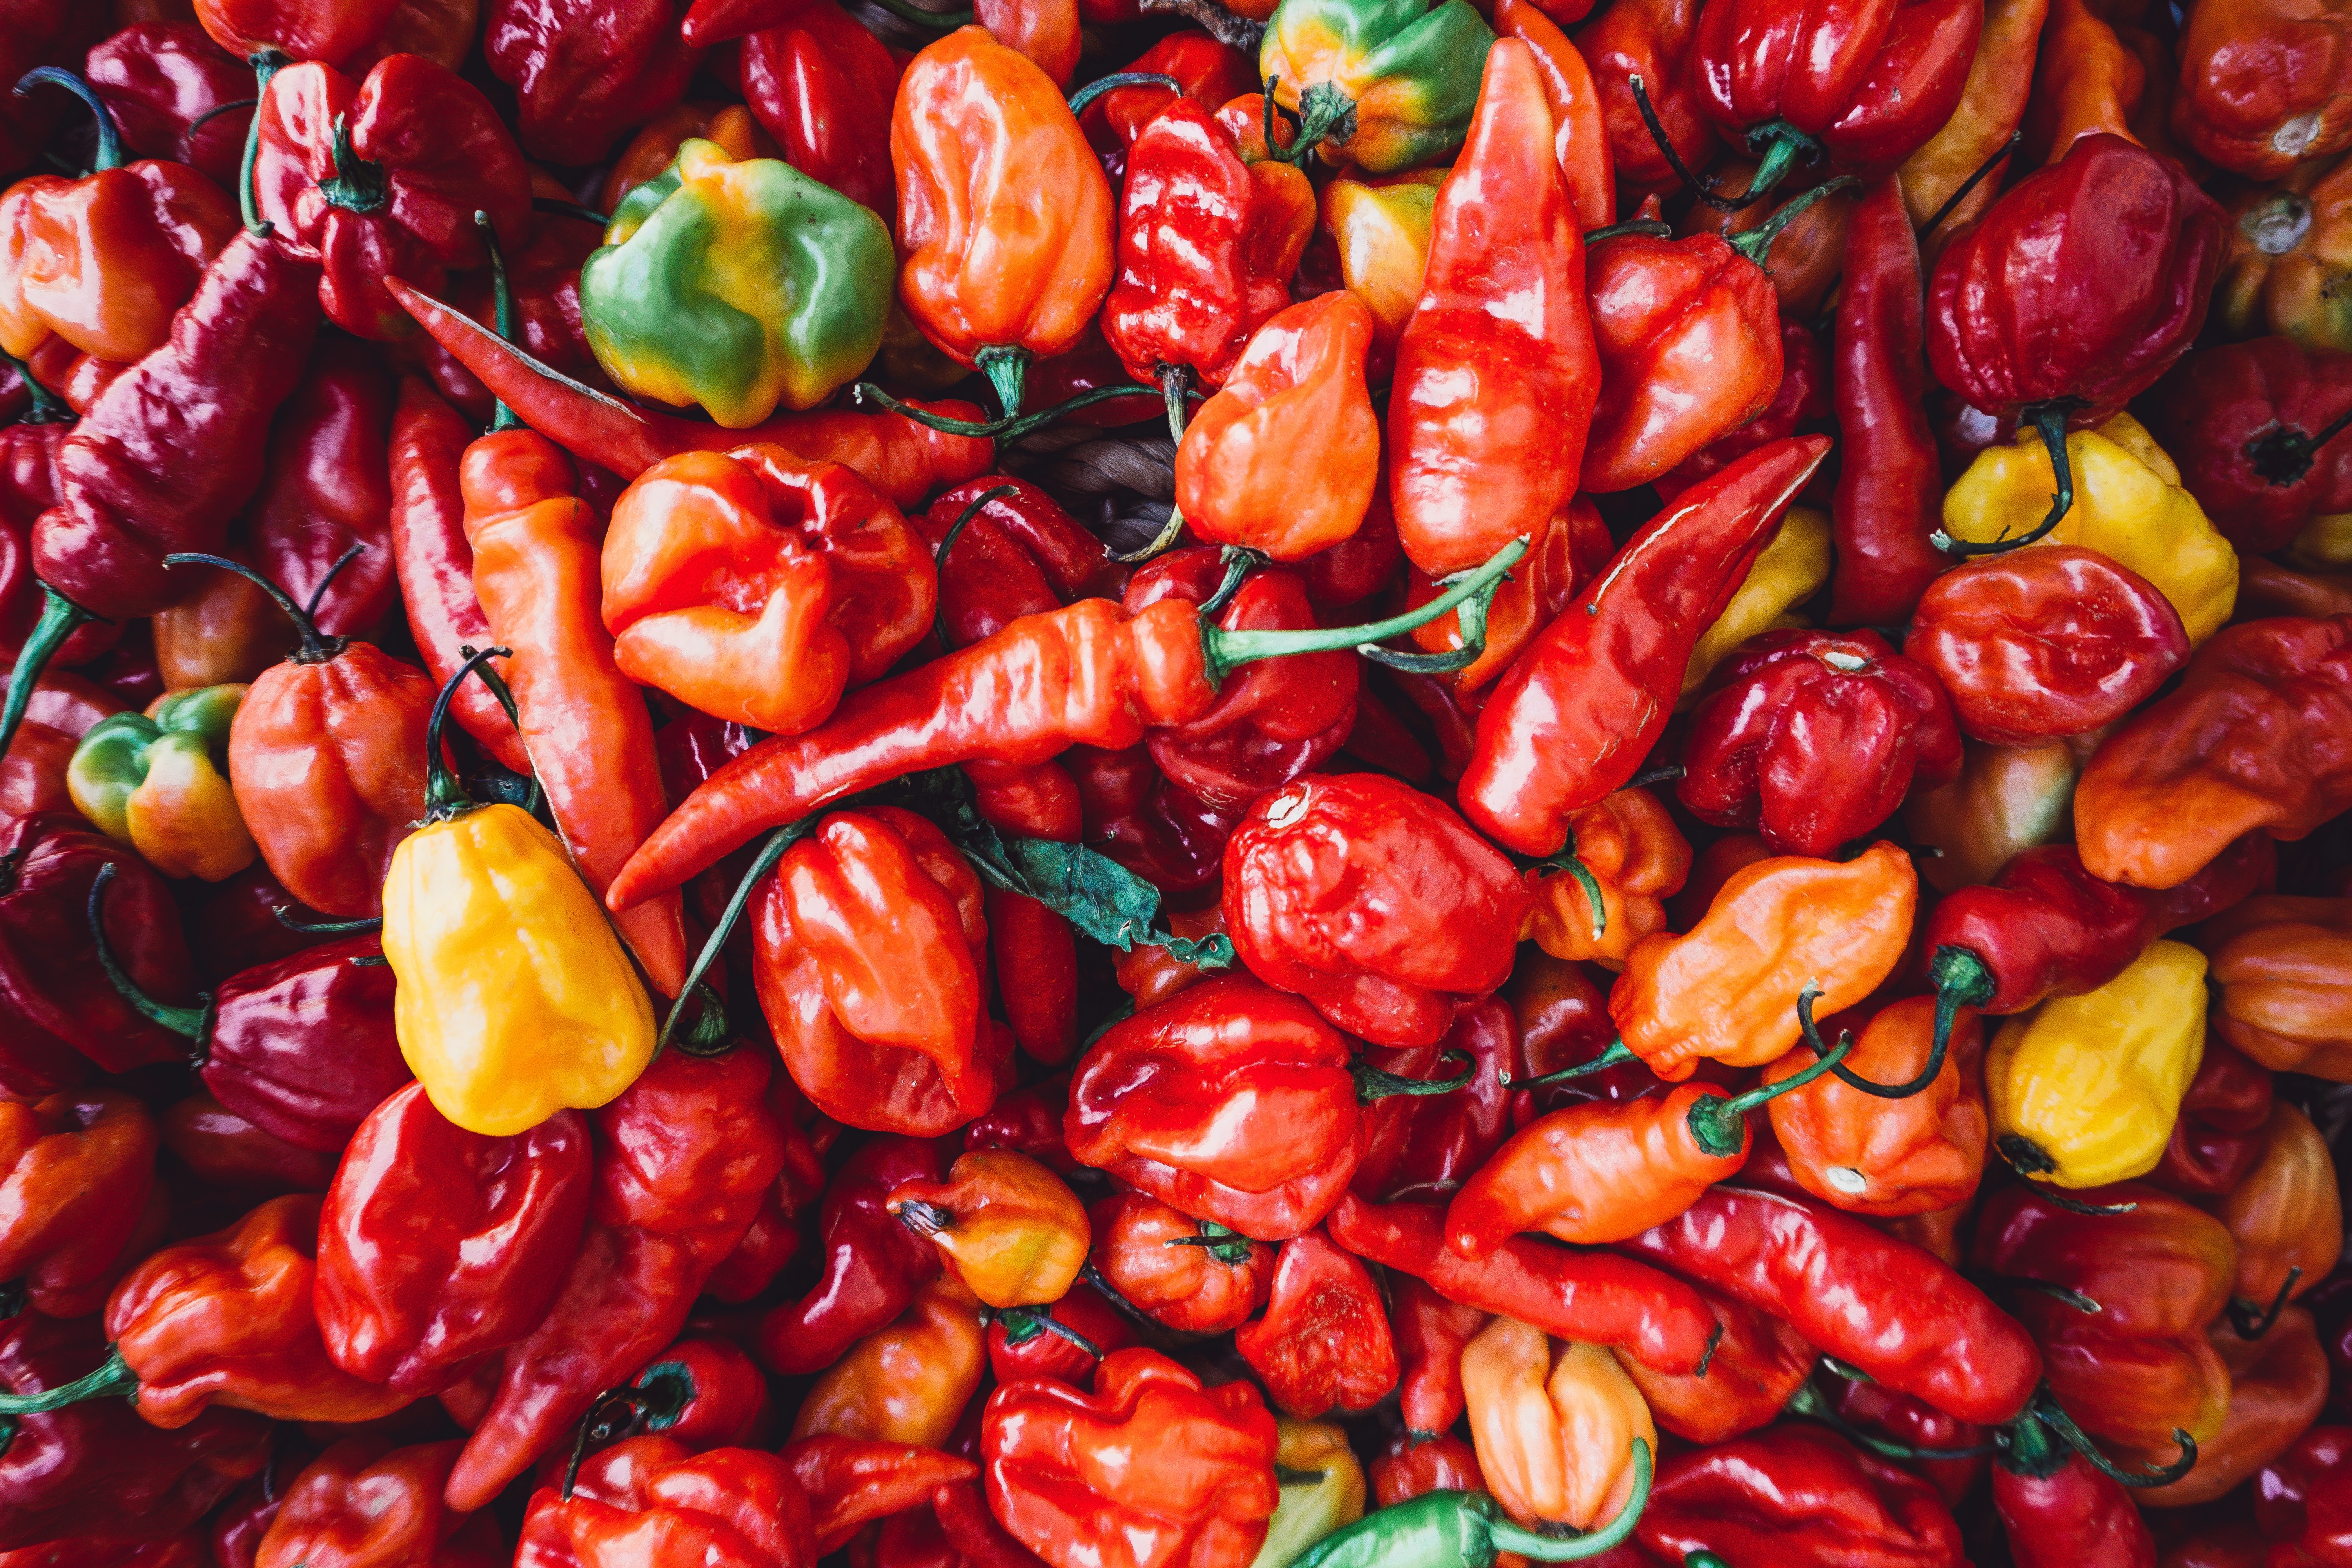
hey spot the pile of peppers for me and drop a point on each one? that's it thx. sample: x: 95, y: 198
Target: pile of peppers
x: 1175, y: 784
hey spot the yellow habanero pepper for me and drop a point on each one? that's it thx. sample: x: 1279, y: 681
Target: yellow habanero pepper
x: 2129, y: 506
x: 514, y: 999
x: 2084, y: 1090
x: 1322, y: 1489
x: 1008, y: 1227
x: 1787, y: 572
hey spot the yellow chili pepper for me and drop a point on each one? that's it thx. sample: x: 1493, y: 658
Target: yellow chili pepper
x: 2325, y: 542
x: 1322, y: 1489
x: 908, y: 1382
x: 158, y: 782
x: 1381, y: 235
x: 1787, y: 572
x: 2129, y: 506
x: 2083, y: 1091
x: 514, y: 998
x: 1008, y: 1227
x: 1554, y: 1425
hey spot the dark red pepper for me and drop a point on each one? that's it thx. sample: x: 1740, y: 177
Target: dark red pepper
x: 822, y: 85
x: 1063, y: 1341
x: 1134, y: 814
x: 1796, y: 1497
x: 2256, y: 429
x: 329, y: 488
x: 872, y: 1264
x: 1324, y: 1341
x: 176, y: 95
x: 1421, y: 1147
x: 2220, y: 1135
x: 2059, y: 1512
x: 1801, y: 407
x: 584, y: 71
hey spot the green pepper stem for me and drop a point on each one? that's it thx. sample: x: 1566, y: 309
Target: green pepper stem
x: 193, y: 1023
x: 781, y: 839
x: 1006, y: 365
x: 60, y: 617
x: 1175, y: 380
x: 1703, y: 1560
x: 1784, y: 144
x: 1983, y: 172
x: 1472, y: 620
x: 1756, y: 244
x: 1809, y: 1402
x: 1703, y: 189
x: 1853, y: 1080
x: 2250, y: 1319
x: 501, y: 416
x: 1961, y: 979
x: 1100, y: 85
x: 1592, y: 1543
x: 285, y: 914
x: 1009, y: 429
x: 49, y: 408
x: 445, y: 792
x: 1372, y: 1084
x: 1568, y: 862
x: 266, y: 63
x: 1325, y: 113
x: 1617, y: 1054
x: 1289, y: 1476
x: 358, y: 185
x: 2050, y: 419
x: 109, y: 141
x: 2047, y: 1409
x: 1649, y: 226
x: 1719, y: 1126
x: 1225, y: 652
x: 955, y: 532
x: 2075, y: 1299
x: 112, y: 1375
x: 1230, y: 1248
x: 315, y: 647
x: 1239, y: 561
x: 1160, y: 541
x: 1041, y: 1320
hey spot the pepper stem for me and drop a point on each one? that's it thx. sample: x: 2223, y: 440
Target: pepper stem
x: 1983, y: 171
x: 1756, y: 244
x: 1783, y: 144
x: 1006, y: 365
x: 944, y: 21
x: 1229, y: 1247
x: 1372, y: 1084
x: 1009, y: 429
x: 1175, y: 380
x: 1226, y: 651
x: 1566, y: 860
x: 49, y: 408
x: 1471, y: 619
x: 1853, y: 1080
x: 266, y: 63
x: 358, y: 185
x: 1160, y: 541
x: 1703, y: 189
x: 2283, y: 456
x: 1325, y: 113
x: 445, y: 792
x: 2047, y: 1409
x: 2050, y: 419
x: 781, y: 839
x: 2252, y: 1322
x: 60, y: 616
x: 925, y: 1220
x: 109, y: 141
x: 188, y: 1023
x: 1537, y: 1548
x: 112, y: 1375
x: 1643, y: 226
x: 1961, y: 979
x: 1239, y: 561
x: 316, y: 648
x: 1617, y: 1054
x: 1100, y: 85
x: 1719, y: 1126
x: 1703, y: 1559
x: 1813, y: 1405
x: 285, y: 913
x: 501, y: 416
x: 940, y: 560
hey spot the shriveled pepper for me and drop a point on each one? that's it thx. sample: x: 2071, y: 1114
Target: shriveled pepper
x: 908, y: 1381
x: 1869, y: 1156
x: 1324, y: 1341
x: 1555, y: 1425
x: 779, y: 282
x: 1386, y: 85
x: 2263, y: 85
x: 75, y: 1173
x: 1004, y: 1224
x: 366, y: 1500
x: 2278, y: 963
x: 1192, y: 1276
x: 2220, y: 1134
x: 158, y: 782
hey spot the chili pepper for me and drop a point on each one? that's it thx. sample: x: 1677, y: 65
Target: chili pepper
x: 2286, y: 1217
x: 2252, y: 427
x: 820, y: 85
x: 1591, y: 1298
x: 1476, y: 461
x: 1555, y: 1425
x: 1430, y: 1332
x: 1196, y: 1480
x: 1801, y: 407
x: 585, y: 73
x: 1161, y: 666
x: 230, y: 1155
x: 1627, y: 844
x: 436, y: 1245
x: 365, y: 1500
x: 871, y: 952
x: 1385, y: 87
x: 872, y: 1264
x: 1019, y: 553
x: 2210, y: 759
x: 300, y: 27
x: 654, y: 1500
x: 1323, y: 1489
x: 2283, y: 243
x: 1806, y: 254
x: 2263, y: 87
x: 1787, y: 572
x: 1192, y: 1276
x: 1566, y: 551
x: 2274, y: 960
x: 849, y: 1483
x: 683, y: 1159
x: 175, y: 95
x: 1759, y: 1363
x: 2085, y: 1091
x: 1563, y: 1022
x: 1295, y: 402
x: 1870, y: 1412
x: 75, y: 1185
x: 1324, y: 1341
x: 2299, y: 1498
x: 1062, y: 1341
x: 1004, y: 216
x: 2088, y: 81
x: 94, y: 1471
x: 381, y: 177
x: 1379, y: 235
x: 1814, y: 738
x: 1006, y: 1227
x: 1871, y: 1156
x: 1028, y: 1121
x: 65, y: 1018
x: 903, y: 459
x: 159, y: 783
x: 775, y: 1232
x: 2278, y: 1385
x: 1795, y: 1495
x: 1417, y: 1464
x: 1581, y: 137
x: 502, y: 1027
x: 2220, y: 1134
x: 1207, y: 72
x: 1576, y: 716
x: 2108, y: 221
x: 1163, y: 833
x: 1651, y: 40
x: 1728, y: 989
x: 703, y: 1392
x: 582, y: 719
x: 908, y: 1381
x: 1421, y: 1146
x: 1936, y: 1337
x: 543, y: 288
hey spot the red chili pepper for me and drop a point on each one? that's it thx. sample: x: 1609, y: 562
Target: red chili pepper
x: 1417, y: 1465
x: 818, y: 82
x: 1652, y: 39
x: 775, y: 1234
x: 1136, y: 815
x: 1324, y: 1341
x: 2059, y: 1512
x: 237, y: 1161
x: 850, y: 1482
x: 654, y: 1501
x: 1576, y: 717
x: 175, y: 94
x: 1194, y: 1275
x: 1580, y: 134
x: 1760, y: 1365
x: 1802, y: 407
x: 33, y: 774
x: 1425, y: 1146
x: 872, y: 1266
x: 2221, y: 1134
x: 76, y: 1174
x: 1796, y: 1496
x: 1063, y: 1341
x: 1212, y: 73
x: 365, y: 1499
x: 2255, y: 428
x: 585, y: 70
x: 1897, y: 1418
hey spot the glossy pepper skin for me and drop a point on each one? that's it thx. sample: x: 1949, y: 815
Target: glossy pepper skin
x: 2221, y: 1134
x: 2246, y: 742
x: 2044, y: 643
x: 2287, y: 1214
x: 1393, y: 82
x: 1814, y: 738
x: 159, y: 783
x: 1889, y: 1158
x: 2277, y: 962
x: 2263, y: 85
x: 2242, y: 420
x: 1295, y: 401
x: 1934, y: 1336
x: 437, y: 1245
x: 908, y: 1381
x: 1757, y: 1366
x: 756, y: 586
x: 1577, y: 715
x: 366, y: 1500
x: 1652, y: 39
x: 871, y: 1264
x: 652, y: 1500
x: 1324, y: 1342
x: 1798, y: 1495
x: 1006, y: 1226
x: 1176, y: 1270
x: 821, y: 84
x: 781, y: 280
x: 684, y: 1160
x: 1327, y: 894
x: 75, y: 1169
x: 1194, y: 1490
x: 584, y: 73
x: 1555, y: 1425
x: 383, y: 177
x: 871, y: 966
x: 1421, y: 1146
x: 1495, y: 372
x: 1005, y: 218
x: 162, y: 82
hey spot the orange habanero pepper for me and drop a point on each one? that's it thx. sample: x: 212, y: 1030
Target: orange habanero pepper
x: 908, y: 1382
x: 2283, y: 969
x: 1005, y: 1226
x: 1889, y: 1158
x: 1555, y: 1425
x: 1628, y: 842
x: 2286, y: 1216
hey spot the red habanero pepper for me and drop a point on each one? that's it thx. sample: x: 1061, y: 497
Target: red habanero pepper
x: 1652, y: 39
x: 2278, y: 1387
x: 652, y: 1500
x: 872, y: 1266
x: 33, y: 774
x: 1019, y: 554
x: 437, y: 1245
x: 1758, y: 1365
x: 902, y: 458
x: 1430, y: 1333
x: 1212, y: 74
x: 1889, y: 498
x: 1803, y: 406
x: 585, y: 70
x: 236, y: 1161
x: 302, y: 29
x: 382, y: 178
x: 703, y: 1392
x: 2222, y: 1130
x: 1324, y: 1341
x: 1373, y: 901
x: 2263, y: 85
x: 1417, y: 1465
x: 851, y: 1481
x: 1796, y: 1497
x: 821, y: 84
x: 1575, y: 718
x: 683, y: 1159
x: 75, y: 1173
x: 1814, y: 738
x: 1426, y: 1146
x: 776, y: 1234
x: 1028, y: 1120
x: 366, y: 1500
x: 2303, y: 1500
x: 2253, y: 428
x: 1900, y: 1418
x: 1581, y: 134
x: 1062, y: 1339
x: 1591, y: 1298
x: 1195, y: 1486
x: 175, y: 94
x: 1920, y: 1329
x: 1495, y: 372
x: 1193, y: 1276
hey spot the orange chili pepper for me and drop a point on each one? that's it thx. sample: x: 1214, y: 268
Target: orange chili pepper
x: 1044, y: 30
x: 1757, y: 1366
x: 1637, y: 858
x: 2087, y: 81
x: 2283, y: 966
x: 2287, y: 1217
x: 1194, y: 1276
x: 908, y: 1382
x: 2000, y: 78
x: 1004, y: 1224
x: 2278, y: 1386
x: 1555, y: 1425
x: 1889, y: 1158
x: 1581, y: 135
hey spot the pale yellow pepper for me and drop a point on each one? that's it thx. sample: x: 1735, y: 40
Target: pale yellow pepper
x: 1310, y: 1508
x: 1554, y: 1424
x: 1381, y: 236
x: 2325, y: 542
x: 2129, y: 506
x: 2084, y: 1090
x: 1787, y: 572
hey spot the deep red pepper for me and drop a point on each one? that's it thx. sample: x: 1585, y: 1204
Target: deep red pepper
x: 33, y: 774
x: 1796, y: 1496
x: 1324, y: 1341
x: 328, y: 488
x: 235, y: 1162
x: 850, y: 1480
x: 1652, y: 39
x: 872, y: 1264
x: 1212, y: 73
x: 175, y: 94
x: 1136, y: 815
x: 1018, y: 555
x: 585, y: 70
x: 2256, y: 430
x: 1897, y: 1418
x: 2059, y: 1512
x: 1039, y: 1341
x: 821, y: 84
x: 244, y: 1517
x: 1430, y: 1333
x: 76, y: 1174
x: 1759, y: 1365
x: 2220, y: 1135
x: 1193, y: 1276
x: 1420, y: 1147
x: 776, y: 1233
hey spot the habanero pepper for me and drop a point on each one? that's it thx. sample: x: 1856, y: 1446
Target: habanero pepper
x: 2278, y: 1386
x: 1759, y: 1363
x: 1652, y: 40
x: 1415, y: 1466
x: 1160, y: 831
x: 2284, y: 244
x: 2253, y: 427
x: 366, y: 1499
x: 1887, y: 1159
x: 1801, y: 406
x: 236, y: 1161
x: 1210, y: 73
x: 158, y: 782
x: 76, y: 1171
x: 1063, y: 1341
x: 1378, y: 237
x: 908, y: 1381
x: 174, y: 94
x: 1426, y: 1145
x: 1386, y: 85
x: 653, y: 1501
x: 1028, y: 1121
x: 583, y: 71
x: 820, y: 84
x: 871, y: 1265
x: 2263, y: 85
x: 1324, y: 1342
x: 850, y: 1482
x: 2221, y: 1132
x: 1006, y: 1227
x: 2288, y: 1218
x: 1430, y: 1332
x: 1796, y: 1496
x: 2279, y: 963
x: 1192, y: 1276
x: 1556, y: 1426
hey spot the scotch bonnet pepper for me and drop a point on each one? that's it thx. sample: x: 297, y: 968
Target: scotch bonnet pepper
x: 1561, y: 1430
x: 1386, y: 84
x: 2284, y: 968
x: 737, y: 286
x: 158, y: 782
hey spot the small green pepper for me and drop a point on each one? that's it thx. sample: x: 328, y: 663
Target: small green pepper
x: 1387, y: 84
x: 158, y: 782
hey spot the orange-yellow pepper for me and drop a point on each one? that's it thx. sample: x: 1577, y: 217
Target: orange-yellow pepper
x: 2290, y: 246
x: 1008, y: 1227
x: 2284, y: 967
x: 908, y: 1382
x: 2287, y: 1214
x: 1637, y: 858
x: 1554, y: 1424
x: 1379, y: 232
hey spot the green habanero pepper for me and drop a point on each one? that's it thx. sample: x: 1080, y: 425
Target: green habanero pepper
x: 1389, y: 84
x: 1447, y: 1529
x: 158, y: 782
x: 737, y: 286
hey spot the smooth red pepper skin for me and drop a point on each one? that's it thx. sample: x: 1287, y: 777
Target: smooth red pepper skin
x: 1578, y: 713
x: 2303, y: 1500
x: 2072, y: 1517
x: 1884, y: 1414
x: 1798, y: 1496
x: 1875, y: 1302
x: 366, y: 1500
x: 237, y: 1163
x: 1871, y: 79
x: 872, y: 1264
x: 1430, y: 1333
x: 329, y: 488
x: 1592, y: 1296
x: 1801, y: 407
x: 304, y: 1048
x: 1028, y: 1121
x: 1212, y: 74
x: 1418, y: 1147
x: 1814, y: 738
x: 2229, y: 417
x: 655, y: 1501
x: 240, y: 1522
x: 585, y: 70
x: 77, y: 1178
x: 1890, y: 487
x: 166, y: 84
x: 1019, y: 555
x: 821, y: 84
x: 175, y: 445
x: 1652, y: 39
x: 1046, y: 1353
x: 850, y: 1482
x: 1324, y: 1341
x: 2085, y: 280
x: 437, y: 1245
x: 33, y: 774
